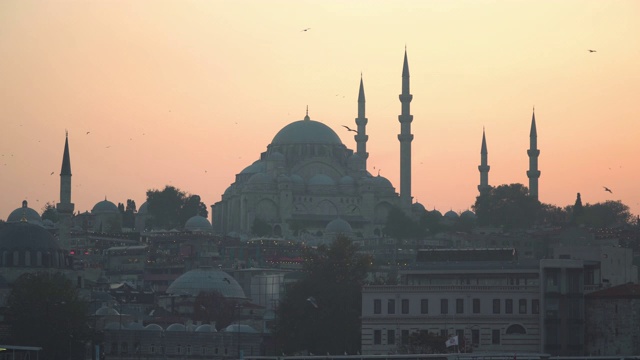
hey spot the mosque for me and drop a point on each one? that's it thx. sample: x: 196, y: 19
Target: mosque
x: 309, y: 182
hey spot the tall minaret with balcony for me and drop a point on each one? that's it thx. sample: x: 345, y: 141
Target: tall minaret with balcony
x: 65, y: 206
x: 484, y: 166
x: 533, y: 173
x: 405, y: 137
x: 361, y: 136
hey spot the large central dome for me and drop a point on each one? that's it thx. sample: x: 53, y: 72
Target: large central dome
x: 306, y: 132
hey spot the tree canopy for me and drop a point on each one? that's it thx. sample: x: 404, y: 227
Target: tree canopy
x: 45, y: 310
x: 171, y: 207
x: 321, y: 312
x: 49, y: 212
x: 509, y: 206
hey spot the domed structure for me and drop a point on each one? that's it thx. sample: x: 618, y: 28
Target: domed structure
x: 206, y: 328
x: 25, y: 212
x: 144, y: 209
x: 198, y: 224
x: 107, y: 311
x: 135, y: 326
x: 107, y: 217
x: 451, y: 214
x: 306, y: 175
x: 153, y: 327
x: 306, y: 131
x: 25, y: 245
x: 240, y: 328
x: 468, y: 214
x: 338, y: 226
x: 206, y: 280
x: 176, y: 327
x: 104, y: 206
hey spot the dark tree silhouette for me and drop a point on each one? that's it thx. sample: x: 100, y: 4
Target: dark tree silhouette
x: 213, y: 307
x: 321, y: 312
x: 261, y: 228
x: 45, y: 310
x: 49, y: 212
x: 171, y: 207
x: 509, y: 206
x: 607, y: 214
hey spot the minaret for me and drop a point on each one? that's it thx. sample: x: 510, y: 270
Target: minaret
x: 533, y: 173
x: 405, y: 138
x: 484, y: 166
x: 361, y: 136
x: 65, y: 206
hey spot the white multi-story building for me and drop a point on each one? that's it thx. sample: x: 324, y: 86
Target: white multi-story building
x: 487, y: 297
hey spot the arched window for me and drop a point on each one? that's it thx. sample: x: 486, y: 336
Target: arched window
x: 38, y: 258
x: 516, y: 329
x: 16, y: 258
x: 27, y: 258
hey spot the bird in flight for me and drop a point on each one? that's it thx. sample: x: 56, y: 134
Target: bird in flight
x: 350, y: 129
x: 305, y: 29
x: 592, y: 51
x: 607, y: 189
x: 51, y: 173
x: 312, y: 301
x: 88, y: 132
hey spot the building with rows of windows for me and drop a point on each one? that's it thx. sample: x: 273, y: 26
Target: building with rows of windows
x: 489, y: 298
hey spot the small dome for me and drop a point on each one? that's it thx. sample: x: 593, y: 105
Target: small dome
x: 176, y: 327
x: 205, y: 328
x: 306, y: 132
x: 417, y: 207
x: 322, y: 180
x: 436, y: 213
x: 382, y: 182
x: 198, y: 224
x: 256, y: 167
x: 297, y: 179
x: 107, y: 311
x: 260, y: 178
x: 26, y: 212
x: 282, y: 178
x: 276, y: 156
x: 240, y: 328
x: 104, y: 206
x: 206, y: 280
x: 468, y: 214
x: 229, y: 190
x: 144, y: 209
x: 451, y: 214
x: 153, y: 327
x: 338, y: 226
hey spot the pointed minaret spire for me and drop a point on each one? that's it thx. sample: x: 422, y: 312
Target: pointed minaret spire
x: 65, y: 206
x: 533, y: 173
x: 484, y: 166
x: 361, y: 136
x: 405, y: 137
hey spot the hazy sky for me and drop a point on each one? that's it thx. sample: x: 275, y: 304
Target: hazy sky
x: 188, y: 93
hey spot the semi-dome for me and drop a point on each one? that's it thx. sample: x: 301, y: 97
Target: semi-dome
x: 297, y: 180
x: 176, y: 327
x: 276, y: 156
x: 347, y: 180
x: 206, y: 280
x: 206, y: 328
x: 306, y: 132
x: 240, y: 328
x: 107, y: 311
x: 23, y: 235
x: 25, y: 212
x: 144, y: 209
x: 198, y: 224
x: 135, y: 326
x: 260, y: 178
x: 338, y: 226
x: 256, y: 167
x: 153, y: 327
x: 382, y: 182
x: 104, y: 206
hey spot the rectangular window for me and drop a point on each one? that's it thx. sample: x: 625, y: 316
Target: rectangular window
x: 535, y: 306
x: 508, y: 306
x: 391, y: 306
x: 405, y: 337
x: 475, y: 336
x: 522, y: 306
x: 377, y: 337
x: 405, y: 306
x: 476, y: 306
x: 424, y: 306
x: 495, y: 337
x: 496, y: 306
x: 377, y: 306
x: 444, y: 306
x: 391, y: 337
x: 459, y: 306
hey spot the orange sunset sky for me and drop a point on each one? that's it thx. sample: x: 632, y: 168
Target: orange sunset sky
x: 188, y: 93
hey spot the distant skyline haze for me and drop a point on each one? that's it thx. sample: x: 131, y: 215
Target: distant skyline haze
x: 190, y: 93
